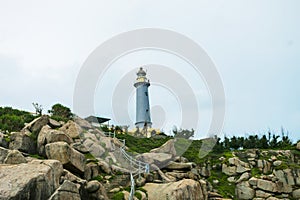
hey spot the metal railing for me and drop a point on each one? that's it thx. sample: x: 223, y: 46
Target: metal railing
x: 136, y: 166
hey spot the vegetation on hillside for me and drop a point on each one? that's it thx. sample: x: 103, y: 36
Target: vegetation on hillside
x: 60, y: 113
x: 13, y: 119
x: 142, y: 145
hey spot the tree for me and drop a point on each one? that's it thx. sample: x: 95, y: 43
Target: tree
x: 60, y: 112
x: 183, y: 133
x: 38, y: 108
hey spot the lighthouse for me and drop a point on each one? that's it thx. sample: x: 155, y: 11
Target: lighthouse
x: 143, y: 119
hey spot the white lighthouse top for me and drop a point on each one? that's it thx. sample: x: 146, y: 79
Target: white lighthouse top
x: 141, y: 76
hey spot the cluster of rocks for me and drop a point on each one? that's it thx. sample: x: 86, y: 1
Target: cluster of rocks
x: 77, y: 161
x: 263, y: 174
x: 74, y: 160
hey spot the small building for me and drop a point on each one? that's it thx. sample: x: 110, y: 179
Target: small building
x: 97, y: 121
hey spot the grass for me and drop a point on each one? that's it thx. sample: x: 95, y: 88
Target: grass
x: 36, y: 156
x: 142, y: 145
x: 98, y: 178
x: 255, y: 172
x: 226, y: 189
x: 118, y: 196
x: 89, y: 156
x: 138, y: 195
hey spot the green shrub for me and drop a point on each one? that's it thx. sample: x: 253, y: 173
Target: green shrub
x: 255, y: 172
x: 118, y: 196
x: 13, y: 119
x: 138, y: 195
x: 142, y: 145
x: 60, y: 113
x: 98, y: 178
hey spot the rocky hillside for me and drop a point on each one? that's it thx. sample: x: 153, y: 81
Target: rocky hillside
x: 74, y: 160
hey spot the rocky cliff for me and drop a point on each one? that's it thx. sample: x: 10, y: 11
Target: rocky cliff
x: 74, y: 160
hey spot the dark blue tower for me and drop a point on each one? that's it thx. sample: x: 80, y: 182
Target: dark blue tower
x: 143, y: 119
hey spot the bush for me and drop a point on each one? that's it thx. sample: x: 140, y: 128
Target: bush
x: 138, y: 195
x: 13, y: 119
x: 142, y: 145
x: 60, y: 113
x: 118, y: 196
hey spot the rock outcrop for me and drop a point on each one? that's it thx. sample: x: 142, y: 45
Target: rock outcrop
x: 69, y: 157
x: 184, y: 189
x: 34, y: 180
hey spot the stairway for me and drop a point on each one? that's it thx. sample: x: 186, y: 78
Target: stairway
x: 136, y: 167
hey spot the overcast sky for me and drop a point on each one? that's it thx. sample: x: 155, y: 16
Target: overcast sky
x: 255, y: 46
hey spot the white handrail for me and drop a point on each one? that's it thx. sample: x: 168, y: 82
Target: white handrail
x: 136, y: 166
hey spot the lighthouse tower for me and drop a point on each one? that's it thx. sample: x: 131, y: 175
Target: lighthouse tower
x: 143, y: 119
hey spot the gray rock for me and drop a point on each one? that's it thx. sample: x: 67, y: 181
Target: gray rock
x: 54, y: 124
x: 3, y: 154
x: 159, y: 159
x: 70, y: 158
x: 179, y: 166
x: 47, y: 136
x: 167, y: 147
x: 253, y: 181
x: 36, y: 125
x: 91, y: 171
x: 104, y: 166
x: 277, y: 163
x: 71, y: 129
x: 82, y: 123
x: 229, y: 170
x: 296, y: 193
x: 245, y: 176
x: 240, y: 169
x: 22, y: 142
x: 140, y: 181
x: 244, y: 191
x: 94, y: 148
x: 262, y: 194
x: 267, y: 185
x: 67, y: 190
x: 14, y: 157
x: 80, y: 147
x: 298, y: 146
x: 34, y: 180
x: 92, y: 186
x: 184, y: 189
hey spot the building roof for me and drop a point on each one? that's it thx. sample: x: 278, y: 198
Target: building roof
x: 94, y: 119
x: 141, y: 72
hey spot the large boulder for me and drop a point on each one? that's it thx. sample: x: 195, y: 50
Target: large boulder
x: 14, y: 157
x: 159, y: 159
x: 167, y: 147
x: 3, y: 154
x: 47, y: 136
x: 36, y: 125
x: 82, y: 123
x: 298, y: 146
x: 34, y: 180
x: 244, y: 191
x: 22, y: 142
x: 296, y: 194
x: 67, y: 191
x: 229, y: 170
x: 184, y: 189
x: 71, y: 129
x: 267, y: 185
x: 69, y: 157
x: 94, y: 148
x: 180, y: 166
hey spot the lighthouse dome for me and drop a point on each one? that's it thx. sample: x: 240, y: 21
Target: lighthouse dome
x: 141, y: 72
